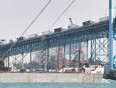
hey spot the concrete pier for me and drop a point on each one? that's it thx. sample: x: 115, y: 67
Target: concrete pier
x: 50, y: 77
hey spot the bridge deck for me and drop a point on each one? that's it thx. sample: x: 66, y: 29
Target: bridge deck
x: 81, y: 34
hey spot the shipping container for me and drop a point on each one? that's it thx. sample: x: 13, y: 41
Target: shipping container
x: 32, y: 36
x: 58, y: 30
x: 88, y: 23
x: 103, y: 18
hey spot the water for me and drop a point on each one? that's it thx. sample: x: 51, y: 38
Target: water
x: 108, y: 84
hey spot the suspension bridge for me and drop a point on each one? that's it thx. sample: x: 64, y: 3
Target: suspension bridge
x: 97, y: 37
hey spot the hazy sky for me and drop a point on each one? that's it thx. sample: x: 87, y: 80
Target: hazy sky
x: 16, y: 15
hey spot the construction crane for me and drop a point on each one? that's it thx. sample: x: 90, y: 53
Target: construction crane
x: 72, y: 25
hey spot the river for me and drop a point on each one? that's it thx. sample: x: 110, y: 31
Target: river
x: 104, y: 84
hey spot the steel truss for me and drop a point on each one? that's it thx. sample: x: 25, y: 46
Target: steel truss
x: 99, y: 51
x: 17, y: 61
x: 114, y: 38
x: 40, y: 57
x: 41, y: 46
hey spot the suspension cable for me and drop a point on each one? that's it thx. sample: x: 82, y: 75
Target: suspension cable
x: 61, y: 14
x: 28, y: 26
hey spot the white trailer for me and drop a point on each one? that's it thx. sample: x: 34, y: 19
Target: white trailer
x: 103, y: 18
x: 46, y: 32
x: 32, y: 36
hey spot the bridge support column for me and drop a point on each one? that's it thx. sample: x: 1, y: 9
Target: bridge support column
x: 64, y: 62
x: 70, y: 55
x: 8, y: 61
x: 93, y: 51
x: 22, y: 67
x: 114, y: 36
x: 58, y: 49
x: 47, y: 59
x: 30, y: 61
x: 87, y: 51
x: 111, y: 62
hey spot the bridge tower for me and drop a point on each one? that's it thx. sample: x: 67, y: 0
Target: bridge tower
x: 112, y: 33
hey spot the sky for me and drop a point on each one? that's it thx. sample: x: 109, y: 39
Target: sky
x: 16, y: 15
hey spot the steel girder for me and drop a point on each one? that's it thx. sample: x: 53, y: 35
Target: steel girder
x: 75, y: 38
x: 59, y: 39
x: 99, y: 50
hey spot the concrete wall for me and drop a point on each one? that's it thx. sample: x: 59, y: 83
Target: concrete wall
x: 50, y: 77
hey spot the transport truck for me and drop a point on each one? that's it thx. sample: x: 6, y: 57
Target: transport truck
x: 32, y: 36
x: 103, y: 18
x: 46, y: 32
x: 88, y: 23
x: 20, y: 38
x: 56, y: 30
